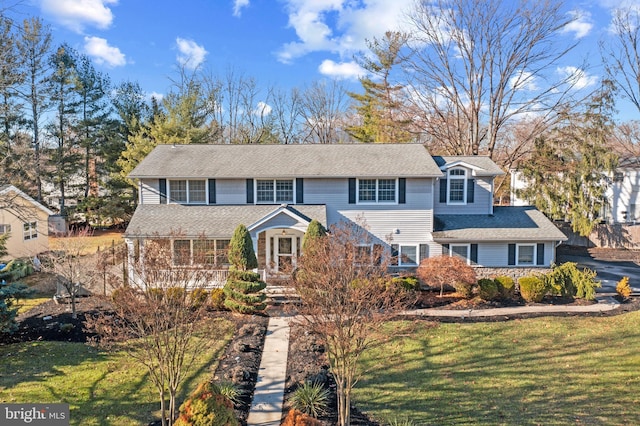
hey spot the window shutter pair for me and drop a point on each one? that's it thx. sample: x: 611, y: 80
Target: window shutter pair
x: 471, y: 190
x: 402, y: 191
x: 299, y: 191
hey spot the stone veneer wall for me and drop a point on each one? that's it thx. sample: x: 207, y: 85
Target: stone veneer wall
x: 515, y: 273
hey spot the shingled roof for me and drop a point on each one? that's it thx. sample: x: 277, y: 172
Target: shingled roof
x: 483, y: 165
x: 211, y: 221
x: 282, y: 161
x: 506, y: 224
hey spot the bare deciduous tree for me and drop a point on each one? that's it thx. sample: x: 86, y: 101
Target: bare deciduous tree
x: 622, y: 57
x: 164, y: 327
x: 323, y: 110
x: 476, y: 65
x: 345, y: 298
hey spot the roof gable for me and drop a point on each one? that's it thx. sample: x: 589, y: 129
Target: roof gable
x: 7, y: 189
x: 480, y: 165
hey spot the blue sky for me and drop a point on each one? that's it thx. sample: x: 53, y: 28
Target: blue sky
x: 279, y: 42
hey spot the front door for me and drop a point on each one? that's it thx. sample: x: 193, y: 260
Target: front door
x: 283, y: 257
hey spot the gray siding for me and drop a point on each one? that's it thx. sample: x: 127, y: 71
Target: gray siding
x: 496, y: 254
x: 231, y: 191
x: 149, y: 191
x: 482, y: 200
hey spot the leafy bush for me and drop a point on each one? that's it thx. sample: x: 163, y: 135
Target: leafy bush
x: 66, y: 327
x: 206, y: 407
x: 310, y: 398
x: 408, y: 283
x: 623, y: 288
x: 488, y: 289
x: 216, y: 300
x: 585, y: 283
x: 560, y: 279
x: 506, y: 286
x: 155, y: 293
x: 199, y: 297
x: 297, y: 418
x: 448, y: 270
x: 15, y: 270
x: 175, y: 295
x: 532, y: 289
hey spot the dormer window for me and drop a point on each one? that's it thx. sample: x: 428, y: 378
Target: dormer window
x: 457, y: 190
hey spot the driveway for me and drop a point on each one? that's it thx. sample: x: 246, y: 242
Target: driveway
x: 609, y: 269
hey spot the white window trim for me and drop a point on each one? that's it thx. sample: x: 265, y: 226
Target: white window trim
x: 464, y: 187
x: 170, y: 200
x: 416, y: 247
x: 31, y: 233
x: 5, y: 228
x: 275, y: 189
x: 535, y: 254
x: 467, y: 257
x: 192, y: 253
x: 390, y: 203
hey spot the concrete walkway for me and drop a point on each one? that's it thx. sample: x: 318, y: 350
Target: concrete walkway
x: 266, y: 409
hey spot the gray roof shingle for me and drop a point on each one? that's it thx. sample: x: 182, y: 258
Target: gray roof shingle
x: 282, y: 161
x: 506, y: 224
x: 211, y: 221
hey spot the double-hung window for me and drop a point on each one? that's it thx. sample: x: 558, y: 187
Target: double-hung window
x: 193, y: 191
x: 457, y: 179
x: 273, y: 191
x: 30, y: 231
x: 461, y: 250
x: 408, y: 255
x: 526, y: 254
x: 5, y: 228
x: 377, y: 190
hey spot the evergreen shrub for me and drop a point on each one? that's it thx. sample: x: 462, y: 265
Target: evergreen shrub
x: 532, y: 289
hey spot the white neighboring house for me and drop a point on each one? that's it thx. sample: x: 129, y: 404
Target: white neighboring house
x: 415, y: 205
x: 622, y: 197
x: 26, y: 220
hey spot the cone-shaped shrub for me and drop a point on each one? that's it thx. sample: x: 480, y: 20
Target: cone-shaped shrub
x: 243, y: 292
x: 241, y: 254
x: 314, y: 230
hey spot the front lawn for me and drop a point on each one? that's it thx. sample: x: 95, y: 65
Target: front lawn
x: 101, y: 388
x: 551, y: 371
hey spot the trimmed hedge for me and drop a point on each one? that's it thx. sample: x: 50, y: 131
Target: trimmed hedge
x: 243, y: 292
x: 506, y: 286
x: 488, y: 289
x: 532, y: 289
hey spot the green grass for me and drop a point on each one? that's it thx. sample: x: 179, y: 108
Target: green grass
x: 102, y: 388
x: 545, y: 371
x: 32, y: 301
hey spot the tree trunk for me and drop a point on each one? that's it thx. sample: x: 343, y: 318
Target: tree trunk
x: 344, y: 405
x: 163, y: 409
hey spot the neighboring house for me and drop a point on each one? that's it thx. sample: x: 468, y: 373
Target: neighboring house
x: 414, y: 205
x: 622, y: 197
x: 26, y: 220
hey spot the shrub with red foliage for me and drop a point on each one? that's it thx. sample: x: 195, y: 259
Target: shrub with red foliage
x: 447, y: 270
x: 297, y: 418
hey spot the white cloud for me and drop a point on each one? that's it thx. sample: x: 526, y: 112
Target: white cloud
x: 78, y: 14
x: 343, y: 70
x: 524, y: 81
x: 578, y: 78
x: 191, y: 54
x: 339, y: 26
x: 581, y: 24
x: 263, y: 109
x: 99, y: 49
x: 238, y: 5
x: 158, y: 96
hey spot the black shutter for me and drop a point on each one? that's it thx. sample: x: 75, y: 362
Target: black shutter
x: 445, y: 249
x: 163, y: 191
x: 249, y: 191
x: 352, y: 190
x: 299, y: 191
x: 424, y: 251
x: 395, y: 249
x: 540, y: 254
x: 512, y: 254
x: 212, y: 191
x: 471, y: 189
x: 402, y: 191
x: 443, y: 190
x: 474, y: 253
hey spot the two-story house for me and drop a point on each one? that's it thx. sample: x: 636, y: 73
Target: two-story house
x: 414, y: 205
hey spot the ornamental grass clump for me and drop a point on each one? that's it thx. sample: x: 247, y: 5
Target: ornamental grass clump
x: 310, y: 398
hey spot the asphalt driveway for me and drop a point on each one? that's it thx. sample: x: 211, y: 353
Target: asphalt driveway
x: 610, y: 270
